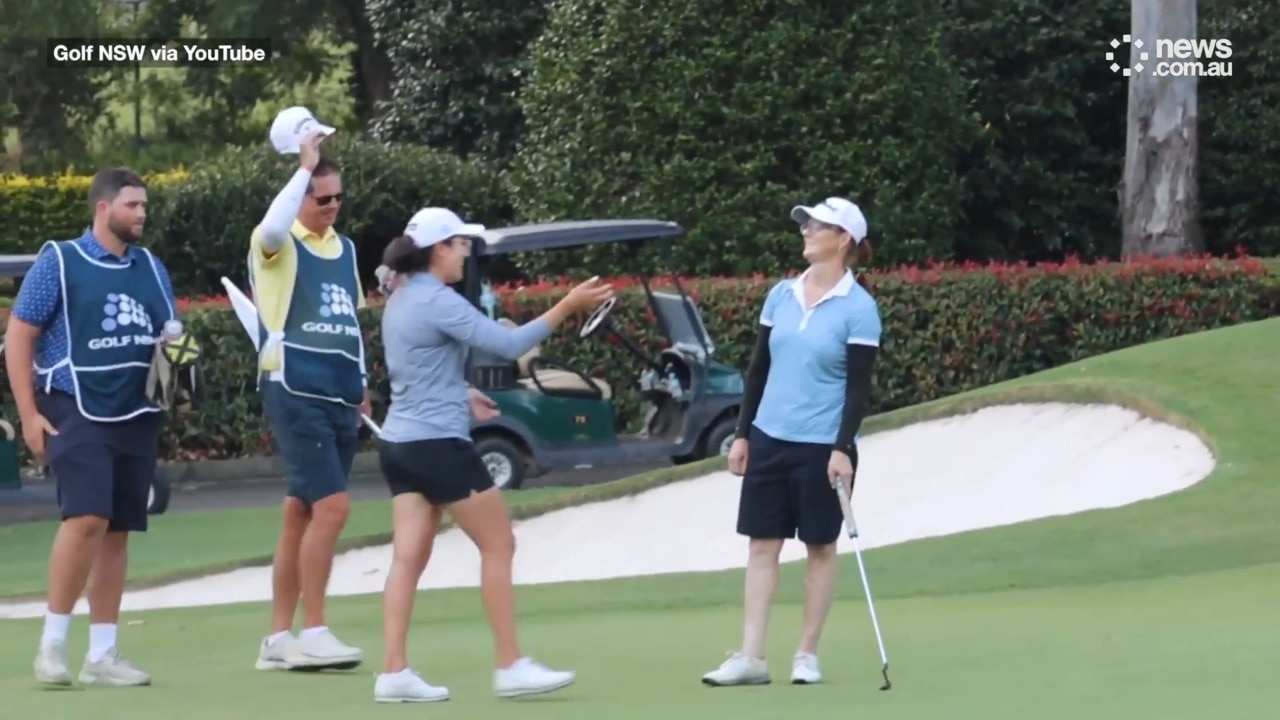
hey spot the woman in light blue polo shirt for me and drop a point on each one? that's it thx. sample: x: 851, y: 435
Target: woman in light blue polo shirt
x: 806, y: 393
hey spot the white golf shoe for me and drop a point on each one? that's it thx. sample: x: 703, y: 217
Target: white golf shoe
x: 113, y: 670
x: 274, y: 654
x: 739, y: 669
x: 528, y: 677
x: 321, y: 651
x: 805, y: 670
x: 51, y: 665
x: 406, y: 686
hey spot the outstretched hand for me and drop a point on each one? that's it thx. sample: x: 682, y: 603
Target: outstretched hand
x: 589, y: 294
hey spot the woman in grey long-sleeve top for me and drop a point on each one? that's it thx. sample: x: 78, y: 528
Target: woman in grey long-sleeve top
x: 426, y: 452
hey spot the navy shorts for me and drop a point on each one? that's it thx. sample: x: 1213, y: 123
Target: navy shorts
x: 318, y: 439
x: 104, y: 469
x: 443, y: 470
x: 786, y: 493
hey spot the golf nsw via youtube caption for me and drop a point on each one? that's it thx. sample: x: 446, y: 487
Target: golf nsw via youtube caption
x: 157, y: 52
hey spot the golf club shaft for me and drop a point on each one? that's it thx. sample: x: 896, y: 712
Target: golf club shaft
x: 847, y: 509
x: 377, y: 431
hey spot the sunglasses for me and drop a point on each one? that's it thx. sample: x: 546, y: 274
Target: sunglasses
x: 323, y: 200
x: 814, y: 226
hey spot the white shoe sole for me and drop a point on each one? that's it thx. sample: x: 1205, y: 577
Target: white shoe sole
x: 54, y: 679
x: 309, y: 664
x: 112, y: 682
x: 263, y: 664
x: 745, y: 681
x: 408, y: 699
x: 539, y: 690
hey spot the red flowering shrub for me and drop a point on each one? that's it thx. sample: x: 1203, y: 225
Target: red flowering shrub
x: 947, y: 329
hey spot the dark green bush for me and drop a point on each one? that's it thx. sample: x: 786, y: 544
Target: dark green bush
x: 722, y: 115
x: 459, y: 65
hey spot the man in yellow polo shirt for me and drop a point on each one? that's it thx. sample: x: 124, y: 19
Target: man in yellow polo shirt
x: 312, y: 377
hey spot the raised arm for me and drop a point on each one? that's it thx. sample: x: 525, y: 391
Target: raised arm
x: 273, y: 231
x: 458, y: 319
x: 461, y: 320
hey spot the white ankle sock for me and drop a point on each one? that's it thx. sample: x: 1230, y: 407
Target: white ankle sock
x: 273, y: 637
x: 313, y: 631
x: 55, y: 628
x: 102, y: 638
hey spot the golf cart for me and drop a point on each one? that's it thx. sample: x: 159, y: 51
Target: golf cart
x: 554, y: 416
x: 14, y: 268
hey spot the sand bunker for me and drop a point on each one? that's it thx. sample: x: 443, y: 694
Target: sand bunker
x: 993, y: 467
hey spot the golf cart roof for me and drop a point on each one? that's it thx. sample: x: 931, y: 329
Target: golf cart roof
x: 16, y: 265
x: 574, y: 233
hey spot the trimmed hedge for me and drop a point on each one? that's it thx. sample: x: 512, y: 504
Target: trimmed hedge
x: 948, y: 329
x: 746, y: 109
x: 199, y: 221
x: 36, y: 209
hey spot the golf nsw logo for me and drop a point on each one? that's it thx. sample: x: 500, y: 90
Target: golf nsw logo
x: 126, y: 323
x: 335, y: 303
x: 1171, y: 57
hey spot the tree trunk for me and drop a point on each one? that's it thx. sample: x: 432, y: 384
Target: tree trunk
x: 1161, y: 198
x: 371, y: 76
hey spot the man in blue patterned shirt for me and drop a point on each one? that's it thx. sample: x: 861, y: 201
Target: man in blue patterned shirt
x: 79, y: 348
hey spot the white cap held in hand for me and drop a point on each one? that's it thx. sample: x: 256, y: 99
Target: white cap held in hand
x: 291, y: 125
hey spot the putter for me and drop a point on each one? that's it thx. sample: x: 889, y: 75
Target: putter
x: 852, y: 527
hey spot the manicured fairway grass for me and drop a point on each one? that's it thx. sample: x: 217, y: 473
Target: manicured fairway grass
x: 1161, y: 609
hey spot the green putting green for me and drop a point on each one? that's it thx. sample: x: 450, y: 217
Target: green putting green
x: 1163, y: 608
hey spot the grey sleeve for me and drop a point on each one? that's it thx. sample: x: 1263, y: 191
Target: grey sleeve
x: 458, y: 319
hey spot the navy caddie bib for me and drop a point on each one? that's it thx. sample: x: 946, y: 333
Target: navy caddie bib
x: 115, y: 314
x: 322, y: 347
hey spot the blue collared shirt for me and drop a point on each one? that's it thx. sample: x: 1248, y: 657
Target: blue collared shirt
x: 808, y: 349
x: 39, y: 302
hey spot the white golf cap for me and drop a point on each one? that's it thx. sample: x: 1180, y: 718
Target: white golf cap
x: 291, y: 125
x: 835, y: 211
x: 430, y: 225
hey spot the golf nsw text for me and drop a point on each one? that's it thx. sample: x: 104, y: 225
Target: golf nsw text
x: 174, y: 52
x: 1170, y: 57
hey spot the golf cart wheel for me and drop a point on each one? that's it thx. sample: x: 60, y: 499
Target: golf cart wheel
x: 719, y: 438
x: 503, y: 460
x: 158, y: 495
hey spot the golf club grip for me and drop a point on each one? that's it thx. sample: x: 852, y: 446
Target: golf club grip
x: 846, y: 509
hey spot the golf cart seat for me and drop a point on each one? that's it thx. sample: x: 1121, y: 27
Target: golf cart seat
x: 555, y: 378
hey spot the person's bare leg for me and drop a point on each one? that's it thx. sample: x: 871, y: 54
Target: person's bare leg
x: 75, y: 548
x: 759, y: 587
x: 414, y: 523
x: 819, y: 592
x: 483, y: 517
x: 106, y: 590
x: 285, y: 575
x: 319, y: 543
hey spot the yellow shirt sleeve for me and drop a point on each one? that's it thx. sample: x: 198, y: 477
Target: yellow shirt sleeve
x: 273, y: 279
